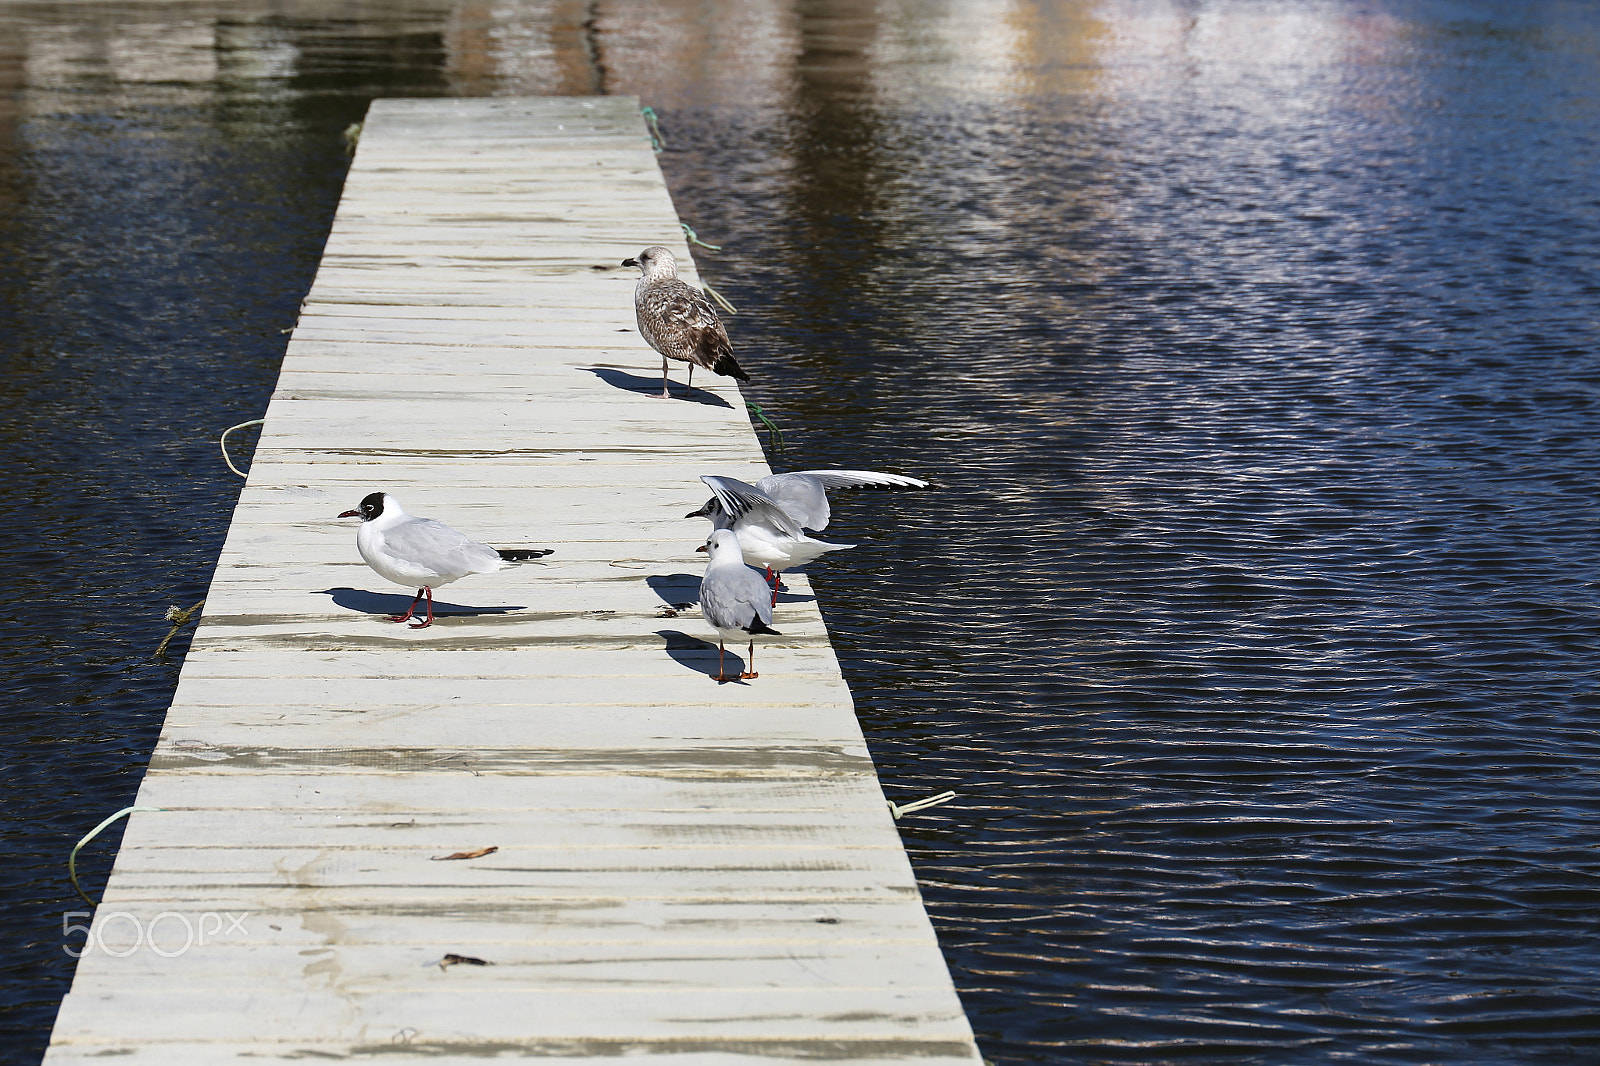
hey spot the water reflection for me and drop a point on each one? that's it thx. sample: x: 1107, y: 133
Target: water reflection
x: 1249, y: 346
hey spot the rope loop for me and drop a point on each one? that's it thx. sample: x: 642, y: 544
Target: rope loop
x: 222, y: 442
x: 72, y: 859
x: 694, y: 238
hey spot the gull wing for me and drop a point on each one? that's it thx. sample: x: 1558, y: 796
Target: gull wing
x: 799, y: 494
x: 735, y: 598
x: 745, y: 503
x: 678, y: 321
x: 863, y: 479
x: 803, y: 493
x: 440, y: 548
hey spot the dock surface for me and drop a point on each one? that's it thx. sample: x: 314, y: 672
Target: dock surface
x: 679, y: 868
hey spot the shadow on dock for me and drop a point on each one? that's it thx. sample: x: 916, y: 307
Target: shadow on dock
x: 698, y: 655
x: 681, y: 592
x: 621, y: 379
x: 391, y: 604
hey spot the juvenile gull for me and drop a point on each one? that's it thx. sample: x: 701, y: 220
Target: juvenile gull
x: 678, y: 321
x: 733, y: 599
x: 767, y: 534
x: 424, y: 552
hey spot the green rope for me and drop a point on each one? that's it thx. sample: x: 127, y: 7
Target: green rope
x: 694, y: 238
x: 72, y: 859
x: 657, y: 142
x: 772, y: 427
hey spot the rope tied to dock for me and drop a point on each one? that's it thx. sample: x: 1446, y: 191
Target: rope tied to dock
x: 717, y: 296
x: 658, y: 143
x: 222, y: 442
x: 694, y: 238
x: 898, y: 810
x: 772, y: 427
x: 72, y: 858
x: 179, y: 618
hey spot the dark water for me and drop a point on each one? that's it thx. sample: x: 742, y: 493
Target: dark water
x: 1255, y: 350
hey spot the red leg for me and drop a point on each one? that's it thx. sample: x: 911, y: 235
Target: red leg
x: 409, y: 610
x: 429, y: 621
x: 772, y: 579
x: 750, y: 664
x: 722, y: 674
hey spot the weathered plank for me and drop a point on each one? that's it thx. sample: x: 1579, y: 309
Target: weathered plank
x: 663, y: 866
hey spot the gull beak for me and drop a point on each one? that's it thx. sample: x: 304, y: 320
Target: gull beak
x: 351, y: 514
x: 630, y: 262
x: 701, y: 548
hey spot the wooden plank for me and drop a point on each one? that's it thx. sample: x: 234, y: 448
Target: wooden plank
x: 677, y: 869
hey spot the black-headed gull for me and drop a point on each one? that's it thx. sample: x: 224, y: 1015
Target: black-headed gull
x: 678, y: 321
x: 804, y: 493
x: 768, y: 516
x: 734, y: 600
x: 767, y: 534
x: 423, y: 552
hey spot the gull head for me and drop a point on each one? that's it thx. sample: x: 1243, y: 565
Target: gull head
x: 654, y: 262
x: 373, y: 505
x: 723, y: 544
x: 711, y: 509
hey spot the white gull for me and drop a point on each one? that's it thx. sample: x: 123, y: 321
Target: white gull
x: 734, y: 600
x: 423, y: 552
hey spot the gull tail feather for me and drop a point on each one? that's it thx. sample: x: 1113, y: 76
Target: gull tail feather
x: 522, y: 555
x: 726, y: 366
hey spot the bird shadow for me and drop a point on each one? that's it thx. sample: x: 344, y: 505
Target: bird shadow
x: 681, y: 591
x: 390, y: 604
x: 621, y: 379
x: 698, y: 655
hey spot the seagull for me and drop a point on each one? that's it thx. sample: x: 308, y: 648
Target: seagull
x: 678, y: 321
x: 767, y: 533
x: 409, y: 551
x: 767, y: 517
x: 733, y: 598
x: 803, y: 493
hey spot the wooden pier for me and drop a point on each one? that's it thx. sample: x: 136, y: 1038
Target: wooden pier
x: 679, y: 868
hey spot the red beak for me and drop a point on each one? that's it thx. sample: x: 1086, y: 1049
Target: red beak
x: 701, y: 548
x: 351, y: 514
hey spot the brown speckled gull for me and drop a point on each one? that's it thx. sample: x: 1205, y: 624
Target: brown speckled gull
x: 678, y: 321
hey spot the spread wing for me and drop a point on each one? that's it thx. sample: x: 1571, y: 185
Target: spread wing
x: 863, y: 479
x: 802, y: 493
x: 745, y: 502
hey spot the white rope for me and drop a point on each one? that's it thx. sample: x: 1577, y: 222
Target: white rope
x: 898, y: 809
x: 222, y: 443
